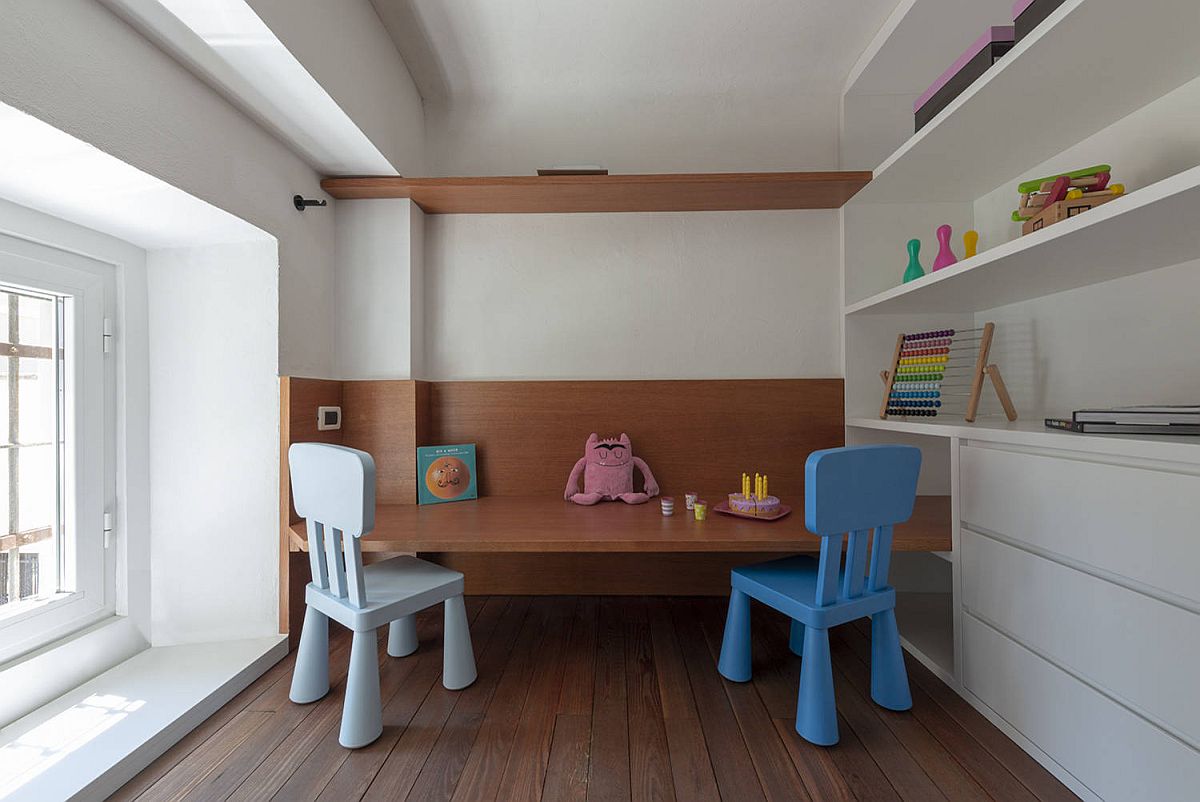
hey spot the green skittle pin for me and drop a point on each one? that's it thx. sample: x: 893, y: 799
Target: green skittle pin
x: 914, y: 270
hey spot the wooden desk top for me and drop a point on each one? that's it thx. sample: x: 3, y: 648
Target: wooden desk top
x: 524, y: 524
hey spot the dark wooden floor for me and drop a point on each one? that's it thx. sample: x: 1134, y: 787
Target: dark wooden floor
x: 586, y: 698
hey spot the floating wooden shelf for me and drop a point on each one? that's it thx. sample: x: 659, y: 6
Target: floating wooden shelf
x: 675, y: 192
x: 524, y: 524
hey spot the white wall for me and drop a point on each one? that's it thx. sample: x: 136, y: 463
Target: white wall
x: 378, y: 289
x: 608, y: 296
x: 76, y: 65
x: 1120, y: 342
x: 214, y: 425
x: 346, y: 48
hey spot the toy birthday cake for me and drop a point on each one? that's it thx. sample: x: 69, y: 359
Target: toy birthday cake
x: 754, y: 500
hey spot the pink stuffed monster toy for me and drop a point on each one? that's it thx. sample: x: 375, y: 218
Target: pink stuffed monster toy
x: 607, y: 468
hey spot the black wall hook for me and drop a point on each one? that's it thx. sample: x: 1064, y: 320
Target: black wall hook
x: 301, y: 202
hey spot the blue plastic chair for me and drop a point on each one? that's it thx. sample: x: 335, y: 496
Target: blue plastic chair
x: 334, y: 490
x: 853, y: 489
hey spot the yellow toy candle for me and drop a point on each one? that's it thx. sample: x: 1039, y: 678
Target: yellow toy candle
x: 765, y: 493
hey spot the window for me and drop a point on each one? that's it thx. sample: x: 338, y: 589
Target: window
x: 56, y: 444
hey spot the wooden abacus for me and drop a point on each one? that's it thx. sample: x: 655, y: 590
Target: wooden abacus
x: 932, y: 369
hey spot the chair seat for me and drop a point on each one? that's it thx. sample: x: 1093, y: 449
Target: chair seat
x: 789, y: 585
x: 395, y: 588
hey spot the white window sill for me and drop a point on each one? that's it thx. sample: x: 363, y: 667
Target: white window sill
x: 93, y: 739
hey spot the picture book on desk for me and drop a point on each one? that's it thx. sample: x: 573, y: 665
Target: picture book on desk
x: 447, y: 474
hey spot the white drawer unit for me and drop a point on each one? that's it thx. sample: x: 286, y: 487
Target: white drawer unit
x: 1079, y: 607
x: 1136, y: 648
x: 1115, y: 753
x: 1142, y: 523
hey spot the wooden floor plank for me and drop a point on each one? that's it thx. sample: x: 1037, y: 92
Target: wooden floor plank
x: 934, y: 757
x: 608, y: 772
x: 903, y: 773
x: 969, y: 753
x: 774, y: 765
x: 526, y: 769
x: 649, y: 757
x: 579, y: 679
x: 567, y: 771
x: 653, y: 720
x: 338, y: 773
x: 407, y: 757
x: 691, y: 768
x: 734, y: 770
x: 1033, y: 775
x: 193, y: 769
x: 489, y: 754
x: 440, y: 773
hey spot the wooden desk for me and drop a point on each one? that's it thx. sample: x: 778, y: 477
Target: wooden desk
x: 519, y: 545
x: 542, y: 525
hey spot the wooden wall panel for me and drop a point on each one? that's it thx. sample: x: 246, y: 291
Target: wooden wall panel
x: 612, y: 573
x: 380, y: 417
x: 694, y: 434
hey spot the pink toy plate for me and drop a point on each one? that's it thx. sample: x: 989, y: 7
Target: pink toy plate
x: 723, y: 508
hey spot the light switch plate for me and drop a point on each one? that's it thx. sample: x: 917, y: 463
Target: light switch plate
x: 329, y: 418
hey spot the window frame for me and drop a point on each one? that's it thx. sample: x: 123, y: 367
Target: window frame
x: 91, y: 463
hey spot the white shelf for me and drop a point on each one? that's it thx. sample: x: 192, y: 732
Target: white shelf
x: 1054, y: 89
x: 1155, y: 226
x: 1031, y: 431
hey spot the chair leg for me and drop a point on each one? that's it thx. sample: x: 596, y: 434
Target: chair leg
x: 310, y: 677
x: 796, y: 638
x: 735, y: 645
x: 458, y: 658
x: 816, y: 708
x: 889, y: 679
x: 402, y: 636
x: 362, y: 713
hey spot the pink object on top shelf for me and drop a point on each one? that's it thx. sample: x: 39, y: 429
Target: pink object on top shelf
x: 1020, y: 6
x: 996, y: 33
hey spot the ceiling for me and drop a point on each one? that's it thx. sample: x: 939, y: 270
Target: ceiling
x: 632, y: 85
x: 626, y: 48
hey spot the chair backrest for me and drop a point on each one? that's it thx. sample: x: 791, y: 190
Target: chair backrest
x: 854, y: 490
x: 334, y: 488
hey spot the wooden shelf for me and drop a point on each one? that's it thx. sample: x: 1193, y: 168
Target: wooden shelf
x: 1149, y: 228
x: 1051, y: 91
x: 522, y: 524
x: 675, y: 192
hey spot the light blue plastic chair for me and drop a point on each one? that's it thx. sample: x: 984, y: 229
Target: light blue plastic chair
x: 854, y: 489
x: 334, y: 490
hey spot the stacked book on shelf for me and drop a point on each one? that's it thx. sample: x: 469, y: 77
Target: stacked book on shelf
x: 1168, y: 420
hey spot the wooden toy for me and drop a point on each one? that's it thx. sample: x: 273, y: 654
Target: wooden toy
x: 914, y: 270
x: 754, y: 500
x: 970, y: 243
x: 1034, y: 184
x: 934, y: 371
x: 1069, y: 207
x: 1039, y: 194
x: 945, y: 256
x: 966, y: 69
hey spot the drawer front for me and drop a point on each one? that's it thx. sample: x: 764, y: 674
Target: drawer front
x: 1138, y: 523
x: 1135, y: 647
x: 1114, y: 752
